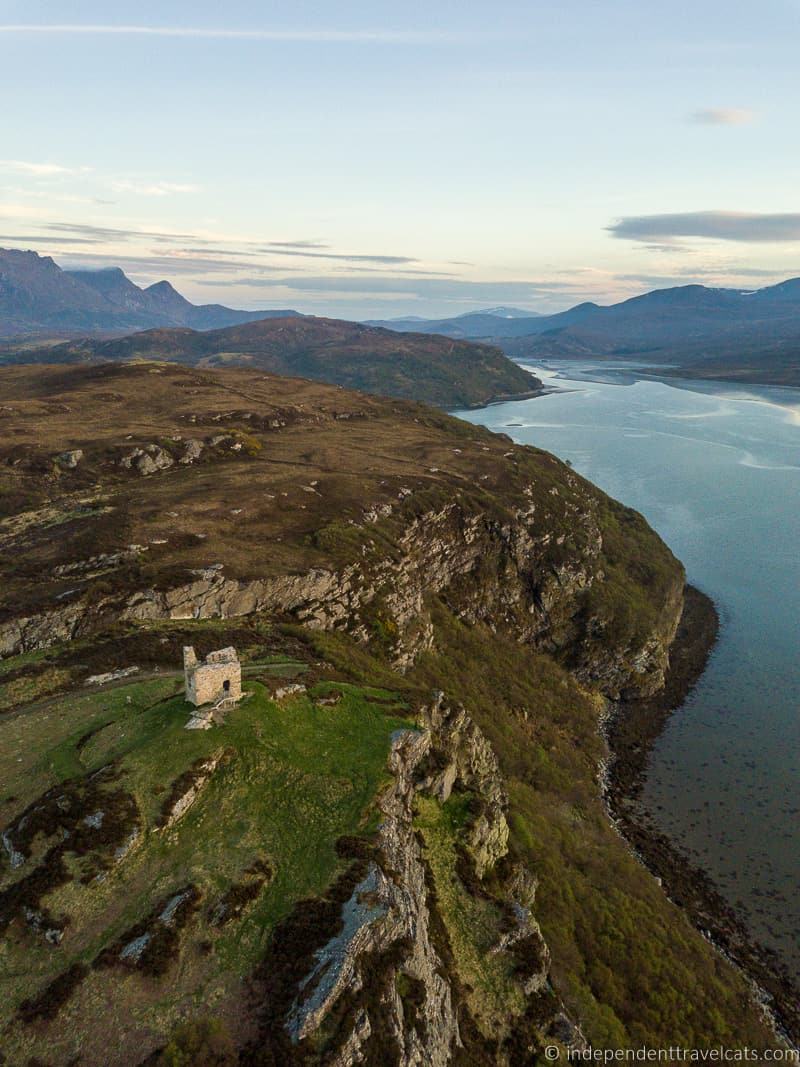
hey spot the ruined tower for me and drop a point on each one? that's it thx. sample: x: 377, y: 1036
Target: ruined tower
x: 216, y: 678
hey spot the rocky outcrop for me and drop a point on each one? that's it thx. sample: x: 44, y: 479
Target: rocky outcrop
x: 187, y: 788
x: 466, y: 759
x: 388, y: 914
x: 147, y: 460
x: 70, y: 460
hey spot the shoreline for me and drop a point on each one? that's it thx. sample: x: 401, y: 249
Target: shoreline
x: 507, y: 398
x: 631, y: 730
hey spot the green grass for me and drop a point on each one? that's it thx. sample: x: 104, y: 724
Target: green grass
x: 13, y: 663
x: 296, y: 777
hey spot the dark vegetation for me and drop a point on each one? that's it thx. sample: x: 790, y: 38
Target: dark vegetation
x: 241, y: 894
x: 82, y: 818
x: 197, y: 1043
x: 52, y: 998
x: 290, y: 957
x: 163, y: 935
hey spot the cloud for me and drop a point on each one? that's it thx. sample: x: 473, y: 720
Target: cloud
x: 723, y: 116
x: 40, y: 170
x: 297, y: 244
x: 38, y: 239
x: 161, y: 266
x: 714, y: 225
x: 108, y: 233
x: 453, y: 290
x: 350, y: 258
x: 310, y: 36
x: 153, y: 188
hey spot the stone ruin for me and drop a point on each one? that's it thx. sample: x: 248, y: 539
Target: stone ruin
x: 214, y: 680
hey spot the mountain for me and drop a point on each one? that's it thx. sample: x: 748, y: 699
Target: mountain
x: 438, y: 370
x: 493, y: 322
x: 740, y: 335
x: 395, y: 849
x: 37, y: 297
x: 503, y: 312
x: 736, y: 334
x: 470, y: 324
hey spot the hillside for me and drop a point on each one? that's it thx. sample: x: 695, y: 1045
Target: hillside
x: 394, y: 849
x: 38, y: 298
x: 449, y: 374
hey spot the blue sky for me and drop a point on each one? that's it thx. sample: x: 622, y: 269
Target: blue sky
x: 370, y: 159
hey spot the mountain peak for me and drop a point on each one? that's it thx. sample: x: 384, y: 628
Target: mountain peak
x: 37, y: 296
x: 162, y: 287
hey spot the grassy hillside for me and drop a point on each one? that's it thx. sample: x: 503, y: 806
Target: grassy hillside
x: 437, y: 370
x: 295, y: 775
x: 374, y: 551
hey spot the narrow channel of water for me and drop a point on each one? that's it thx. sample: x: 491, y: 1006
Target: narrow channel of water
x: 715, y: 468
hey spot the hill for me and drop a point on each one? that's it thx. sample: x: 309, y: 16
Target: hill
x: 394, y: 850
x: 450, y: 374
x: 37, y: 297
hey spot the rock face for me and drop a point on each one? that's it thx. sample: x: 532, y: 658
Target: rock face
x: 470, y: 762
x: 389, y: 915
x: 507, y: 575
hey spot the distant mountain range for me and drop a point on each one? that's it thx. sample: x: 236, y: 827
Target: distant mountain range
x: 742, y: 335
x: 736, y: 334
x: 438, y: 370
x: 38, y: 298
x: 470, y: 324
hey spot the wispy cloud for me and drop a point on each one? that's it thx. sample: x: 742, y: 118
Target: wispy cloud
x: 349, y: 257
x: 38, y: 240
x: 40, y: 170
x: 455, y: 290
x: 714, y: 225
x: 311, y: 36
x: 108, y: 233
x: 161, y: 266
x: 723, y: 116
x: 297, y: 244
x: 153, y: 188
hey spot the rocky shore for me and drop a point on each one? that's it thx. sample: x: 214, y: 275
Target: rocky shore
x: 631, y: 731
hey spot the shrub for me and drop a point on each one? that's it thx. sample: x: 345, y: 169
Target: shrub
x: 200, y: 1043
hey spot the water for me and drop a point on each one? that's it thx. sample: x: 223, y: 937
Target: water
x: 715, y: 468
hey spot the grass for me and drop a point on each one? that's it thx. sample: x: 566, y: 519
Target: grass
x: 295, y: 777
x: 473, y: 924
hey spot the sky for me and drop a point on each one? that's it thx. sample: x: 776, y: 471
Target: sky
x: 366, y: 159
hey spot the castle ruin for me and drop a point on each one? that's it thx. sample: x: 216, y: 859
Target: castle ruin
x: 217, y: 677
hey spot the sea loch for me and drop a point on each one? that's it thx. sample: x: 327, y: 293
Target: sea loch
x: 715, y: 468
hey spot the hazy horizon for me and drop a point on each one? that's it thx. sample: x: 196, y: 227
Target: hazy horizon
x: 361, y: 164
